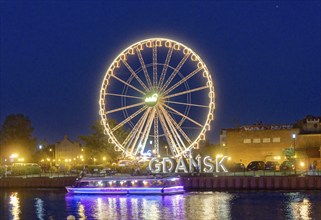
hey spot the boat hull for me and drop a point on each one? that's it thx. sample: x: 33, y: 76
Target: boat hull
x: 128, y: 190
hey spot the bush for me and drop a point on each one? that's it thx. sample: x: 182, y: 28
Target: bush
x: 2, y: 171
x: 53, y: 169
x: 25, y: 170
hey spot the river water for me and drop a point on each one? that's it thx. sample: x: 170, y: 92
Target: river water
x: 57, y: 204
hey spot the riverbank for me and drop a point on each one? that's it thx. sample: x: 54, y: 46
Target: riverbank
x: 36, y: 182
x: 190, y: 183
x: 253, y: 183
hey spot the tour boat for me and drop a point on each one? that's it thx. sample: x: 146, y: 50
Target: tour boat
x: 127, y: 185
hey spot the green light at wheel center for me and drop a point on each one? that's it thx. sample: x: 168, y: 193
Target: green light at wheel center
x: 151, y: 99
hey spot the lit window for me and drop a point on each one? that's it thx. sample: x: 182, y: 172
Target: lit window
x: 247, y: 141
x: 266, y: 140
x: 256, y: 140
x: 276, y: 140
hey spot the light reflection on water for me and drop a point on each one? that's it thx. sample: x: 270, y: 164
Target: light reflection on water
x: 56, y: 204
x: 39, y: 208
x: 14, y: 207
x: 299, y: 206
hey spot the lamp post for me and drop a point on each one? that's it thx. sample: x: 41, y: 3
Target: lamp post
x: 166, y: 150
x: 52, y: 155
x: 293, y: 138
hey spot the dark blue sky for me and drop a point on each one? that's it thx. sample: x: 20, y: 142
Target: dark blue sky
x: 264, y: 57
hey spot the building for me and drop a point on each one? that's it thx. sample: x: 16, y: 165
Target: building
x: 268, y: 142
x: 67, y: 151
x: 309, y: 139
x: 257, y: 142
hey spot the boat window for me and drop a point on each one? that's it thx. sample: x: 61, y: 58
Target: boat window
x: 133, y: 183
x: 171, y: 182
x: 82, y: 184
x: 157, y: 183
x: 99, y: 184
x: 110, y: 183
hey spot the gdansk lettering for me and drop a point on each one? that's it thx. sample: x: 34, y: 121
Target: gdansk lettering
x: 190, y: 165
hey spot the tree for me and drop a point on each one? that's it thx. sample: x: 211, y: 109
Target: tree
x: 16, y: 136
x: 97, y: 145
x: 288, y: 153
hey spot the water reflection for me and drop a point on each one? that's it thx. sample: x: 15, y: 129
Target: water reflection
x: 216, y: 205
x: 81, y: 211
x: 298, y: 206
x: 188, y: 206
x: 50, y: 204
x: 14, y: 206
x: 39, y: 208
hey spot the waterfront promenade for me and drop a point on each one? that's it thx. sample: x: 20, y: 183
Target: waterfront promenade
x: 191, y: 183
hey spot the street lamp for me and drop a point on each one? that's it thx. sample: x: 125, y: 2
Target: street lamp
x: 13, y: 157
x: 293, y: 138
x: 166, y: 150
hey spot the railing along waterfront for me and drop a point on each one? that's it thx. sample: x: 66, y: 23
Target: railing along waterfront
x: 247, y: 180
x: 257, y: 173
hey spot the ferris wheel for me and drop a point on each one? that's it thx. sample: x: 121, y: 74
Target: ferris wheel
x: 161, y: 94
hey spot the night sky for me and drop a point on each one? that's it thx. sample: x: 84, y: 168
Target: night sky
x: 264, y: 57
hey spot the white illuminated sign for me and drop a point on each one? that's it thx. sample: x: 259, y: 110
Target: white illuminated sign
x: 153, y: 98
x: 182, y: 165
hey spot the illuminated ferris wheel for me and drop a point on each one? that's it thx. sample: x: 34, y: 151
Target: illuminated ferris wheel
x: 161, y: 93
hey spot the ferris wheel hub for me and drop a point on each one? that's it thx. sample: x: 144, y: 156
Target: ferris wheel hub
x: 151, y: 99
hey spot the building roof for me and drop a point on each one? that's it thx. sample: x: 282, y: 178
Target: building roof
x: 258, y: 127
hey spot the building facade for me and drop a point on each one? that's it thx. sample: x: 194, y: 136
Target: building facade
x: 67, y: 151
x: 268, y: 142
x: 257, y: 142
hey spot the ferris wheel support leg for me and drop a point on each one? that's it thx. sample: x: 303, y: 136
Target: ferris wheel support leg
x: 138, y: 133
x: 156, y: 144
x: 168, y: 135
x: 176, y: 135
x: 144, y: 136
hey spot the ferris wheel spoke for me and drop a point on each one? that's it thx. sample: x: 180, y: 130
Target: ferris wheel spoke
x: 179, y: 66
x: 129, y: 118
x: 177, y: 126
x: 146, y: 132
x: 139, y: 130
x: 185, y: 92
x: 155, y: 66
x: 126, y: 96
x: 129, y: 85
x: 182, y: 81
x: 142, y: 63
x: 135, y: 75
x: 125, y: 107
x: 188, y: 104
x: 176, y: 136
x: 184, y: 116
x: 156, y: 144
x: 168, y: 135
x: 168, y: 58
x: 134, y: 130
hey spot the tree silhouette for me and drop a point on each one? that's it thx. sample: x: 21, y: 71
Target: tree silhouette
x: 16, y: 136
x: 97, y: 145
